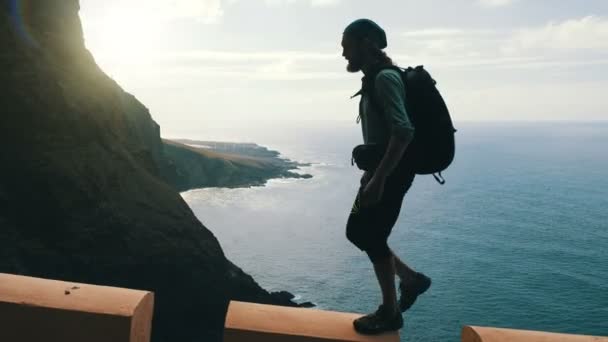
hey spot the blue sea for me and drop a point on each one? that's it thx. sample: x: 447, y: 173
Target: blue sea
x: 516, y: 238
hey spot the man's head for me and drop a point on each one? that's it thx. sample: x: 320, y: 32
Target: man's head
x: 362, y: 42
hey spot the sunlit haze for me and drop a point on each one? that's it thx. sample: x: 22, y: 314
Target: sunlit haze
x: 191, y: 61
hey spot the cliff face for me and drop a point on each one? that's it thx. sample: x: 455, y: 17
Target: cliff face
x: 81, y: 192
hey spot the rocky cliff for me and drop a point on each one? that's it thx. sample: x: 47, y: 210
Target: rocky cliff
x: 185, y: 167
x: 81, y: 192
x: 191, y: 166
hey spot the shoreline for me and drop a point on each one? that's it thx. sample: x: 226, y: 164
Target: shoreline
x: 198, y: 164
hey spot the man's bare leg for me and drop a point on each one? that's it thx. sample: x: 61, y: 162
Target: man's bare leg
x: 412, y: 283
x: 385, y: 272
x: 403, y: 271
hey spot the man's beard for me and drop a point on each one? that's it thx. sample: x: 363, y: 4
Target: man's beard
x: 353, y: 66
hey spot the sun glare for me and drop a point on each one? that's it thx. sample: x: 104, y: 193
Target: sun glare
x: 125, y: 35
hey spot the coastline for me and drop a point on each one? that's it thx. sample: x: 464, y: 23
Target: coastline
x: 194, y: 164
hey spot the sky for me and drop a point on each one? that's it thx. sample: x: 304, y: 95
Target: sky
x: 191, y: 61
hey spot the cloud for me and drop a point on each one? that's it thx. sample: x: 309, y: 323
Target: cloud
x: 580, y: 42
x: 261, y: 65
x: 460, y: 45
x: 237, y: 56
x: 447, y: 32
x: 570, y: 42
x: 271, y: 65
x: 205, y: 11
x: 323, y: 3
x: 158, y: 12
x: 586, y: 33
x: 313, y: 3
x: 495, y: 3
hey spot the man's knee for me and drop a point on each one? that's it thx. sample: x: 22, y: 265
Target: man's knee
x: 379, y: 252
x: 355, y: 237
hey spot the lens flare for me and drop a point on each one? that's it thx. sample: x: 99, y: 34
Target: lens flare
x: 21, y: 19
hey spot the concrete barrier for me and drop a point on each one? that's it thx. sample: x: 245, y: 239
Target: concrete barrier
x: 249, y: 322
x: 35, y: 310
x: 485, y: 334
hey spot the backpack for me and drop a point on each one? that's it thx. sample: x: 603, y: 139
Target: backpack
x: 432, y: 149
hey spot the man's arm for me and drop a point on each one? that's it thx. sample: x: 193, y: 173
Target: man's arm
x: 390, y: 92
x: 396, y: 147
x: 375, y: 187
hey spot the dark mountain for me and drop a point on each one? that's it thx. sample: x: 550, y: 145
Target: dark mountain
x: 83, y: 194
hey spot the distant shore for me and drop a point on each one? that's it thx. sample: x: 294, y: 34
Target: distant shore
x: 204, y: 164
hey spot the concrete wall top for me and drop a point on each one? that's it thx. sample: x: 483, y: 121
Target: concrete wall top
x: 257, y: 322
x: 485, y: 334
x: 69, y: 295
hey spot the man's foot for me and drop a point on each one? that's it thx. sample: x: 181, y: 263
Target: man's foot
x: 378, y: 322
x: 413, y: 289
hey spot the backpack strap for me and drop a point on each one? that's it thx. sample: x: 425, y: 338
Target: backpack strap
x: 368, y: 84
x: 360, y: 92
x: 439, y: 178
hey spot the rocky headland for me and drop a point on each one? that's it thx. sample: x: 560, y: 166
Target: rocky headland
x: 200, y: 164
x: 86, y: 187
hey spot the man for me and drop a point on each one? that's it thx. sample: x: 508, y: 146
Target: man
x: 384, y: 121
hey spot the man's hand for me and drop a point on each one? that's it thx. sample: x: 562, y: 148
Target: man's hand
x: 372, y: 192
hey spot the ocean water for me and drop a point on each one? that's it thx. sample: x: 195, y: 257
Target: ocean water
x: 516, y: 238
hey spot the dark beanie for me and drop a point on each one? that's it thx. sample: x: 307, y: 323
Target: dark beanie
x: 365, y: 28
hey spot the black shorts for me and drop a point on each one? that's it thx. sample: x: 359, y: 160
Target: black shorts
x: 368, y: 228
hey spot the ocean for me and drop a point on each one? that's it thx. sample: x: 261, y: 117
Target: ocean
x: 516, y: 238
